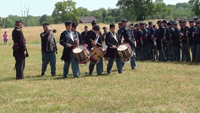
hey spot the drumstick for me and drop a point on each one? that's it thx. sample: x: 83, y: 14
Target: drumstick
x: 97, y: 42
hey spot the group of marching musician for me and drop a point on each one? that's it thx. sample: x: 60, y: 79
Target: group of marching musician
x: 133, y: 42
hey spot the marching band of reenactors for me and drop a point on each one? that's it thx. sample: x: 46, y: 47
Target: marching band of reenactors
x: 166, y: 41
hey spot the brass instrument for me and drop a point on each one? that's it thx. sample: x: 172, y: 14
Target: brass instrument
x: 53, y: 30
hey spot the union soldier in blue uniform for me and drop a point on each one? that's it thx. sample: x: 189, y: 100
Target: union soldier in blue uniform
x: 84, y: 33
x: 139, y: 41
x: 197, y: 42
x: 191, y: 35
x: 128, y: 38
x: 145, y: 41
x: 176, y: 42
x: 151, y: 35
x: 169, y: 41
x: 49, y: 48
x: 68, y: 40
x: 160, y: 34
x: 113, y: 41
x: 19, y: 49
x: 185, y: 42
x: 97, y: 39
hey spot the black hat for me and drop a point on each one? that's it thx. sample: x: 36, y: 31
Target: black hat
x: 150, y: 22
x: 104, y: 28
x: 164, y: 21
x: 196, y: 18
x: 180, y: 21
x: 19, y: 21
x: 74, y: 24
x: 145, y: 24
x: 198, y: 22
x: 86, y: 26
x: 175, y: 23
x: 191, y: 21
x: 154, y: 26
x: 68, y: 23
x: 183, y: 21
x: 45, y: 24
x: 159, y: 21
x: 96, y: 27
x: 137, y: 25
x: 169, y: 23
x: 124, y: 20
x: 141, y: 24
x: 119, y: 23
x: 112, y: 25
x: 93, y: 22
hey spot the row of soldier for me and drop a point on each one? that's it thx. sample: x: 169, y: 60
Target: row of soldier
x: 170, y: 41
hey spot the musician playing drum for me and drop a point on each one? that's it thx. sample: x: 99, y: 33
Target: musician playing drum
x: 95, y: 39
x: 68, y: 41
x: 112, y: 41
x: 129, y: 39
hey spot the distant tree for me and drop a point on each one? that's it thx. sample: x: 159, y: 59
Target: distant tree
x: 143, y: 8
x: 196, y: 6
x: 46, y: 19
x: 2, y: 22
x: 83, y: 11
x: 64, y: 11
x: 25, y: 14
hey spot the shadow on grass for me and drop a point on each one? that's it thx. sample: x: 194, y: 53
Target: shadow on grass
x: 8, y: 79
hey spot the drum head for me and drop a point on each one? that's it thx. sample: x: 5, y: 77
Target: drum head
x: 78, y: 49
x: 122, y: 47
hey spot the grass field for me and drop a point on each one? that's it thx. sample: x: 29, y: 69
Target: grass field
x: 152, y: 87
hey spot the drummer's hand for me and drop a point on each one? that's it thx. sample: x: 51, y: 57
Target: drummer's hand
x: 86, y: 45
x: 114, y: 46
x: 93, y: 42
x: 69, y: 45
x: 56, y: 51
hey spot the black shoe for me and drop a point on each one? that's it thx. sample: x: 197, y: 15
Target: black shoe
x: 76, y: 77
x: 42, y: 74
x: 54, y: 75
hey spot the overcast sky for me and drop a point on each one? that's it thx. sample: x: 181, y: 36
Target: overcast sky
x: 40, y: 7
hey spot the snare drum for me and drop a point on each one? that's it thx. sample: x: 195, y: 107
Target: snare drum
x: 96, y: 54
x: 81, y: 54
x: 125, y: 52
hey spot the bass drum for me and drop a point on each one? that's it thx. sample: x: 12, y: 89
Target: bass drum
x: 81, y: 54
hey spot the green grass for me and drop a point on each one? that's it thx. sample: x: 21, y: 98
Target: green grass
x: 153, y: 87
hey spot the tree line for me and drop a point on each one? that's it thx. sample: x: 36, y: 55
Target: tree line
x: 133, y: 10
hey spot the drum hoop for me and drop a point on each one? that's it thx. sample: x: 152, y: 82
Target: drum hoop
x: 85, y: 61
x: 122, y: 44
x: 78, y: 46
x: 99, y: 48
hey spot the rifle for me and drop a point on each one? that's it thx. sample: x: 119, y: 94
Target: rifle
x: 188, y: 46
x: 155, y: 55
x: 163, y: 49
x: 171, y: 49
x: 181, y: 44
x: 194, y: 49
